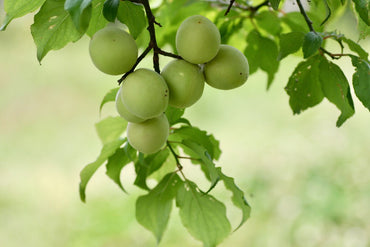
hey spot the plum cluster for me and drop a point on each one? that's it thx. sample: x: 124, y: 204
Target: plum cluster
x: 144, y: 94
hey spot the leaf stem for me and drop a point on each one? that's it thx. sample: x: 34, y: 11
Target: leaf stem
x: 178, y: 164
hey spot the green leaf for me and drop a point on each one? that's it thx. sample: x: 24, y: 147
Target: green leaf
x: 110, y: 128
x: 274, y: 4
x: 115, y: 164
x: 262, y: 52
x: 153, y: 209
x: 269, y: 21
x: 203, y: 215
x: 295, y: 22
x: 110, y: 9
x: 311, y: 44
x: 88, y: 171
x: 304, y: 86
x: 18, y: 8
x: 362, y: 8
x: 148, y: 164
x: 53, y: 28
x: 80, y: 11
x: 207, y: 164
x: 200, y: 137
x: 174, y: 114
x: 109, y: 97
x: 356, y: 48
x: 290, y: 43
x: 238, y: 196
x: 97, y: 20
x: 335, y: 86
x: 361, y: 80
x: 364, y: 29
x: 133, y: 16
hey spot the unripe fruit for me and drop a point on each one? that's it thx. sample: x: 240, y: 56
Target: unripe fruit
x: 228, y: 70
x: 185, y: 82
x: 145, y: 93
x: 149, y: 136
x: 123, y: 112
x: 113, y: 51
x: 197, y: 39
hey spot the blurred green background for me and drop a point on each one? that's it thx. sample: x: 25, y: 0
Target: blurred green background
x: 308, y: 182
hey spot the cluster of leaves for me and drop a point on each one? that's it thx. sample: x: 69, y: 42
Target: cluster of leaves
x: 201, y: 213
x: 270, y: 30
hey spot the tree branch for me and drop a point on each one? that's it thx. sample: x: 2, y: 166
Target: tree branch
x: 153, y: 45
x: 305, y: 16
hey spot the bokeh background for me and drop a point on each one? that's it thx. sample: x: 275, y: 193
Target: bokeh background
x: 307, y: 181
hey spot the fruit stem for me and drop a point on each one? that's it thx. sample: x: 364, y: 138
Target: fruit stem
x: 179, y: 166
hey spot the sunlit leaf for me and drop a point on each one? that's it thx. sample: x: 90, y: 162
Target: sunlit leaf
x: 80, y: 11
x: 133, y: 16
x: 97, y: 20
x: 110, y: 128
x: 53, y: 28
x: 361, y: 80
x: 88, y: 171
x: 203, y: 215
x: 109, y: 97
x: 153, y: 209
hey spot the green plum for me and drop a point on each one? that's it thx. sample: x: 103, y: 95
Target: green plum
x: 123, y: 112
x: 149, y: 136
x: 185, y: 82
x: 113, y: 51
x: 197, y: 39
x: 145, y: 93
x: 228, y: 70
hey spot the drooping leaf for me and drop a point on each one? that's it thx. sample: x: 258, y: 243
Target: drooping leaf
x: 133, y: 16
x: 206, y: 161
x: 275, y: 4
x: 304, y: 87
x: 18, y: 8
x: 363, y: 8
x: 148, y: 164
x: 290, y: 43
x: 295, y: 22
x: 80, y: 11
x: 153, y: 209
x: 53, y: 28
x: 335, y: 87
x: 110, y: 9
x: 109, y: 97
x: 311, y: 44
x: 110, y: 128
x: 364, y: 29
x: 264, y: 53
x: 88, y: 171
x: 115, y: 164
x: 238, y: 196
x: 356, y: 48
x: 202, y: 138
x: 361, y: 80
x: 97, y: 20
x: 202, y: 214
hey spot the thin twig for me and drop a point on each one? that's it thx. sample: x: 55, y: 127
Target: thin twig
x: 179, y: 166
x: 305, y: 16
x: 229, y: 7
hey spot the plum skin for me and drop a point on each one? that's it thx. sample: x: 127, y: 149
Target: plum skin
x: 113, y: 50
x: 145, y: 93
x: 124, y: 112
x: 185, y: 82
x: 228, y: 70
x: 149, y: 136
x: 198, y: 39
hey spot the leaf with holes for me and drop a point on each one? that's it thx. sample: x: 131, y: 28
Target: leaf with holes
x: 53, y: 28
x: 335, y: 87
x: 304, y: 87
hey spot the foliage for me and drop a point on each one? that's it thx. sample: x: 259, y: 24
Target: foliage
x: 271, y: 32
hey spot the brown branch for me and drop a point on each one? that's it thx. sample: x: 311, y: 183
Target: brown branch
x: 153, y: 45
x: 229, y: 7
x: 305, y: 16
